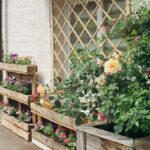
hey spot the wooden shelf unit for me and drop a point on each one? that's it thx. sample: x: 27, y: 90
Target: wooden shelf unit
x: 20, y: 72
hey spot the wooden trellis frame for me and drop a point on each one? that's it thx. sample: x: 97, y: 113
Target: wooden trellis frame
x: 63, y: 29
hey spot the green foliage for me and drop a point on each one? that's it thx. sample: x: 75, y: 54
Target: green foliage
x: 48, y: 130
x: 126, y: 99
x: 21, y: 86
x: 7, y: 59
x: 21, y: 116
x: 13, y: 58
x: 80, y: 84
x: 23, y: 61
x: 25, y: 117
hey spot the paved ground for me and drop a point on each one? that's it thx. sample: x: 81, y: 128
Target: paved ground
x: 10, y: 141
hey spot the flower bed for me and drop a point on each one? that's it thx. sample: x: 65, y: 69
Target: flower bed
x: 53, y: 107
x: 19, y: 90
x: 18, y: 122
x: 13, y: 63
x: 53, y: 116
x: 51, y: 143
x: 55, y: 134
x: 26, y: 99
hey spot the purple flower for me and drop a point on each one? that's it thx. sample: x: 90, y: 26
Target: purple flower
x: 14, y: 56
x: 21, y: 88
x: 25, y: 82
x: 11, y: 80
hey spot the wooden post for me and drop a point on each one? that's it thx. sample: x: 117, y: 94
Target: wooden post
x: 128, y: 7
x: 80, y: 140
x: 33, y: 84
x: 34, y: 118
x: 19, y: 106
x: 39, y: 119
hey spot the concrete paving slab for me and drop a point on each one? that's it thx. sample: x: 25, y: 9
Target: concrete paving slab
x: 10, y: 141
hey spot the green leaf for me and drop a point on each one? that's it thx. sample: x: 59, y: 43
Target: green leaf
x: 78, y: 121
x: 94, y: 117
x: 57, y: 104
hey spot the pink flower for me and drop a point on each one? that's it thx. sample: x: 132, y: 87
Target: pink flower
x: 66, y: 141
x: 101, y: 116
x: 105, y: 29
x: 57, y: 130
x: 59, y: 92
x: 35, y: 97
x: 63, y: 135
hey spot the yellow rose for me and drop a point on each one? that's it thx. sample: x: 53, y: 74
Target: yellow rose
x: 41, y: 90
x: 102, y: 80
x: 112, y: 66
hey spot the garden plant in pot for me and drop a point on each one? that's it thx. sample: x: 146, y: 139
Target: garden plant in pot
x: 125, y: 92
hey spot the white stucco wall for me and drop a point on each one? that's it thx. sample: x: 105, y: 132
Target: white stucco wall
x: 26, y: 30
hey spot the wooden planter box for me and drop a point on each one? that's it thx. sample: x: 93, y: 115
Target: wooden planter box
x: 53, y: 116
x: 45, y: 143
x: 22, y: 98
x: 90, y: 138
x: 20, y: 128
x: 23, y: 69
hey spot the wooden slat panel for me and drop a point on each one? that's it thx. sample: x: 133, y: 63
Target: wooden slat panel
x: 25, y: 135
x: 107, y: 135
x: 26, y: 99
x: 81, y: 140
x: 47, y: 141
x: 16, y: 122
x: 24, y: 69
x: 98, y: 139
x: 102, y: 144
x: 53, y: 116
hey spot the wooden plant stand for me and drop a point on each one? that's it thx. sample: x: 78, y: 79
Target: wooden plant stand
x: 91, y: 138
x: 20, y: 72
x: 39, y: 139
x: 46, y: 142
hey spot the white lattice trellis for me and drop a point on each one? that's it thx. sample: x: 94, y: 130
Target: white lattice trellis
x: 78, y: 23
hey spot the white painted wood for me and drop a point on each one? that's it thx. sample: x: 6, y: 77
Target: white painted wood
x: 39, y: 144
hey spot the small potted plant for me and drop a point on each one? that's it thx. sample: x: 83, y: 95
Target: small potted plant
x: 13, y: 62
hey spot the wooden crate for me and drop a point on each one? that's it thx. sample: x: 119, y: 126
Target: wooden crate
x: 22, y: 98
x: 22, y: 69
x: 90, y: 138
x: 53, y: 116
x: 20, y: 128
x: 46, y: 142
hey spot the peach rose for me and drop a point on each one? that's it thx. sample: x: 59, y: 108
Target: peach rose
x: 100, y: 62
x: 112, y: 66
